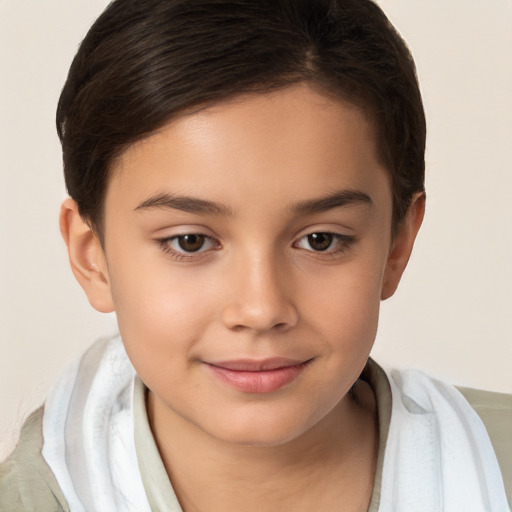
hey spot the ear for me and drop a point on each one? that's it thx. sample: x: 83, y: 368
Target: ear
x: 86, y: 257
x: 402, y: 244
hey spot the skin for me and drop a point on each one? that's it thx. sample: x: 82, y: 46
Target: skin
x: 259, y: 287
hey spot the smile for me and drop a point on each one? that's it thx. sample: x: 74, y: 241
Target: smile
x: 264, y: 376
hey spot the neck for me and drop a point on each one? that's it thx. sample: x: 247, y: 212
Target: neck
x: 330, y: 464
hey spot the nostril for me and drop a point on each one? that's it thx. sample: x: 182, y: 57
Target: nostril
x: 259, y: 308
x: 281, y: 326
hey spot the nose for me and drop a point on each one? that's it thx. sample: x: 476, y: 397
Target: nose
x: 261, y: 297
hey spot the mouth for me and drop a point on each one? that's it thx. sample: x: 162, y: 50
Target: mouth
x: 253, y: 376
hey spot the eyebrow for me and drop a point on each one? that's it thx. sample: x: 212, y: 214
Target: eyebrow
x: 335, y: 200
x: 186, y: 204
x: 202, y: 206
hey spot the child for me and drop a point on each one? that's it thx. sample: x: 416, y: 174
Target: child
x: 246, y: 183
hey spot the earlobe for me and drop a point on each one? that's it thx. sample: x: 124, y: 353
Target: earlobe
x: 402, y: 245
x: 86, y: 257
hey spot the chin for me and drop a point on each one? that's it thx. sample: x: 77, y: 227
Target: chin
x: 265, y: 430
x: 258, y: 438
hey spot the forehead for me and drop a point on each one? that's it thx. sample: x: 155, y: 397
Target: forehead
x: 291, y: 143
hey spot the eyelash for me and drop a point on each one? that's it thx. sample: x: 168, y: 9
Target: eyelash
x: 343, y: 241
x: 165, y: 245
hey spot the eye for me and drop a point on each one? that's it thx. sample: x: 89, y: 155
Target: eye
x: 324, y: 242
x: 181, y: 245
x: 190, y: 243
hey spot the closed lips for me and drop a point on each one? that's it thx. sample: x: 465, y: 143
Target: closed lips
x: 258, y: 376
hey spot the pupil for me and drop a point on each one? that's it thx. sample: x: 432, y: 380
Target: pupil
x: 191, y: 243
x: 320, y: 241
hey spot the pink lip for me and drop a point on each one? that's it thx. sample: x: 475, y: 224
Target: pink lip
x: 253, y: 376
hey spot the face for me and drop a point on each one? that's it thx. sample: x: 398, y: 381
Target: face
x: 247, y: 247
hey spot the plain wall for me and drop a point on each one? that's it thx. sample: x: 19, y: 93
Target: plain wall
x: 452, y: 315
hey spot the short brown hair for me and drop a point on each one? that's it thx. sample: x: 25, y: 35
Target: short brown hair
x: 145, y: 61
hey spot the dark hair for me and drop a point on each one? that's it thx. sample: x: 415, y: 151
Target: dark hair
x: 144, y: 61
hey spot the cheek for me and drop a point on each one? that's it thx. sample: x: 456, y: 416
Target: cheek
x: 345, y: 304
x: 350, y: 318
x: 159, y: 314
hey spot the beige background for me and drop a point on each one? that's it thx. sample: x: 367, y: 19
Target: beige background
x: 453, y: 313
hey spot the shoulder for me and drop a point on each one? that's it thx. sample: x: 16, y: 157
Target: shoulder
x: 495, y: 411
x: 26, y: 482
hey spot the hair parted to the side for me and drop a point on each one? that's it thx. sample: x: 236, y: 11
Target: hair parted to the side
x: 145, y: 61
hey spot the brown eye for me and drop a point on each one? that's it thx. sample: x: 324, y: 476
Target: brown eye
x: 324, y: 242
x: 188, y: 247
x: 191, y: 243
x: 320, y: 241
